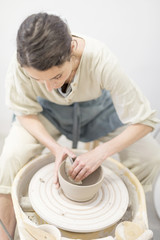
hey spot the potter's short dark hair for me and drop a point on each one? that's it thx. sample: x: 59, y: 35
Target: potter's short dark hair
x: 43, y: 41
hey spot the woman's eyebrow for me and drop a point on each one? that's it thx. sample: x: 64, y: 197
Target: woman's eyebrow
x: 58, y: 75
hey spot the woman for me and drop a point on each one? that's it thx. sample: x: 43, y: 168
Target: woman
x: 60, y: 83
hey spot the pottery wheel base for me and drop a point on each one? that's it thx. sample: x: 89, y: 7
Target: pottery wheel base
x: 104, y: 210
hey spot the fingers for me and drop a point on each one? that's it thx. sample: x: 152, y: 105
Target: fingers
x: 85, y: 175
x: 59, y: 158
x: 55, y: 178
x: 70, y: 154
x: 58, y: 161
x: 82, y: 175
x: 79, y: 170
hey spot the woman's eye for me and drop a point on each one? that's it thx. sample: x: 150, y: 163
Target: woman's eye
x: 58, y: 76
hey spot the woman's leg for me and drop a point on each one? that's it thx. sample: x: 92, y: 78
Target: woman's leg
x: 142, y: 157
x: 19, y: 147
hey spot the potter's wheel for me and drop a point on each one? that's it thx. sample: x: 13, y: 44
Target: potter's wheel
x: 105, y: 209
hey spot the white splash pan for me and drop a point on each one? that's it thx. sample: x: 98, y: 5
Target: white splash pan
x: 28, y: 221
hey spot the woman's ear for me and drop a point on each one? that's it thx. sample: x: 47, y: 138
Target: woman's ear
x: 73, y: 45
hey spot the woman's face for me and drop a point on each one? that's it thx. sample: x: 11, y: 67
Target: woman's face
x: 53, y: 78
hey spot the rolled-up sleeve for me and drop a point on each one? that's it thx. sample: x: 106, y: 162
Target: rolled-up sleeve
x: 131, y: 105
x: 20, y: 94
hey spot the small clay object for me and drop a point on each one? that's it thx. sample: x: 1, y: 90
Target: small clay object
x: 68, y: 165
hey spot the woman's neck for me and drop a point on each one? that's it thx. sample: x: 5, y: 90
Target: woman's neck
x: 77, y: 51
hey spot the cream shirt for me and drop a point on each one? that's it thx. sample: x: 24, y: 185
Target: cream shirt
x: 98, y: 69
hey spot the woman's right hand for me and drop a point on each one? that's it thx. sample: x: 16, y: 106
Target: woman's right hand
x: 60, y: 153
x: 35, y: 127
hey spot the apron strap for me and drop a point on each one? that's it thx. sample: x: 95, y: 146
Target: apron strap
x: 76, y: 125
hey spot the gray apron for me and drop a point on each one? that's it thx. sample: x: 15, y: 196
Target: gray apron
x: 83, y: 121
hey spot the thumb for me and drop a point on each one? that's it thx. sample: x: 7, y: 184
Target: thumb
x: 71, y: 154
x: 56, y: 167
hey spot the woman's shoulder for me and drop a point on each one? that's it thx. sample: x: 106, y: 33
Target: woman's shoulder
x: 91, y: 42
x: 95, y: 51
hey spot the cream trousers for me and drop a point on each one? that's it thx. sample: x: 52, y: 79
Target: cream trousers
x: 142, y: 157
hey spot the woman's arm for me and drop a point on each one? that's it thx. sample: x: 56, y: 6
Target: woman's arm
x: 90, y: 161
x: 34, y: 126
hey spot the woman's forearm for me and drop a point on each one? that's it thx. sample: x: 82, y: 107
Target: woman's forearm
x: 88, y: 162
x: 129, y: 136
x: 34, y: 126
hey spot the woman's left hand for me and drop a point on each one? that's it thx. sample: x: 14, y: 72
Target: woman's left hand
x: 86, y: 163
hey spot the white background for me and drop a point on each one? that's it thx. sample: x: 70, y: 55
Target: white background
x: 131, y: 28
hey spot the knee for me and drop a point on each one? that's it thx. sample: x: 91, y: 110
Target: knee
x: 11, y: 161
x: 9, y: 166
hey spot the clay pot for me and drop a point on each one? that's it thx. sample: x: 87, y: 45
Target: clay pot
x: 84, y: 191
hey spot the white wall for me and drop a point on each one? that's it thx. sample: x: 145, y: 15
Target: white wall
x: 131, y: 28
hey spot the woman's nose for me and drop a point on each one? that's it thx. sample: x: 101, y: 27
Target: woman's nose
x: 48, y: 86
